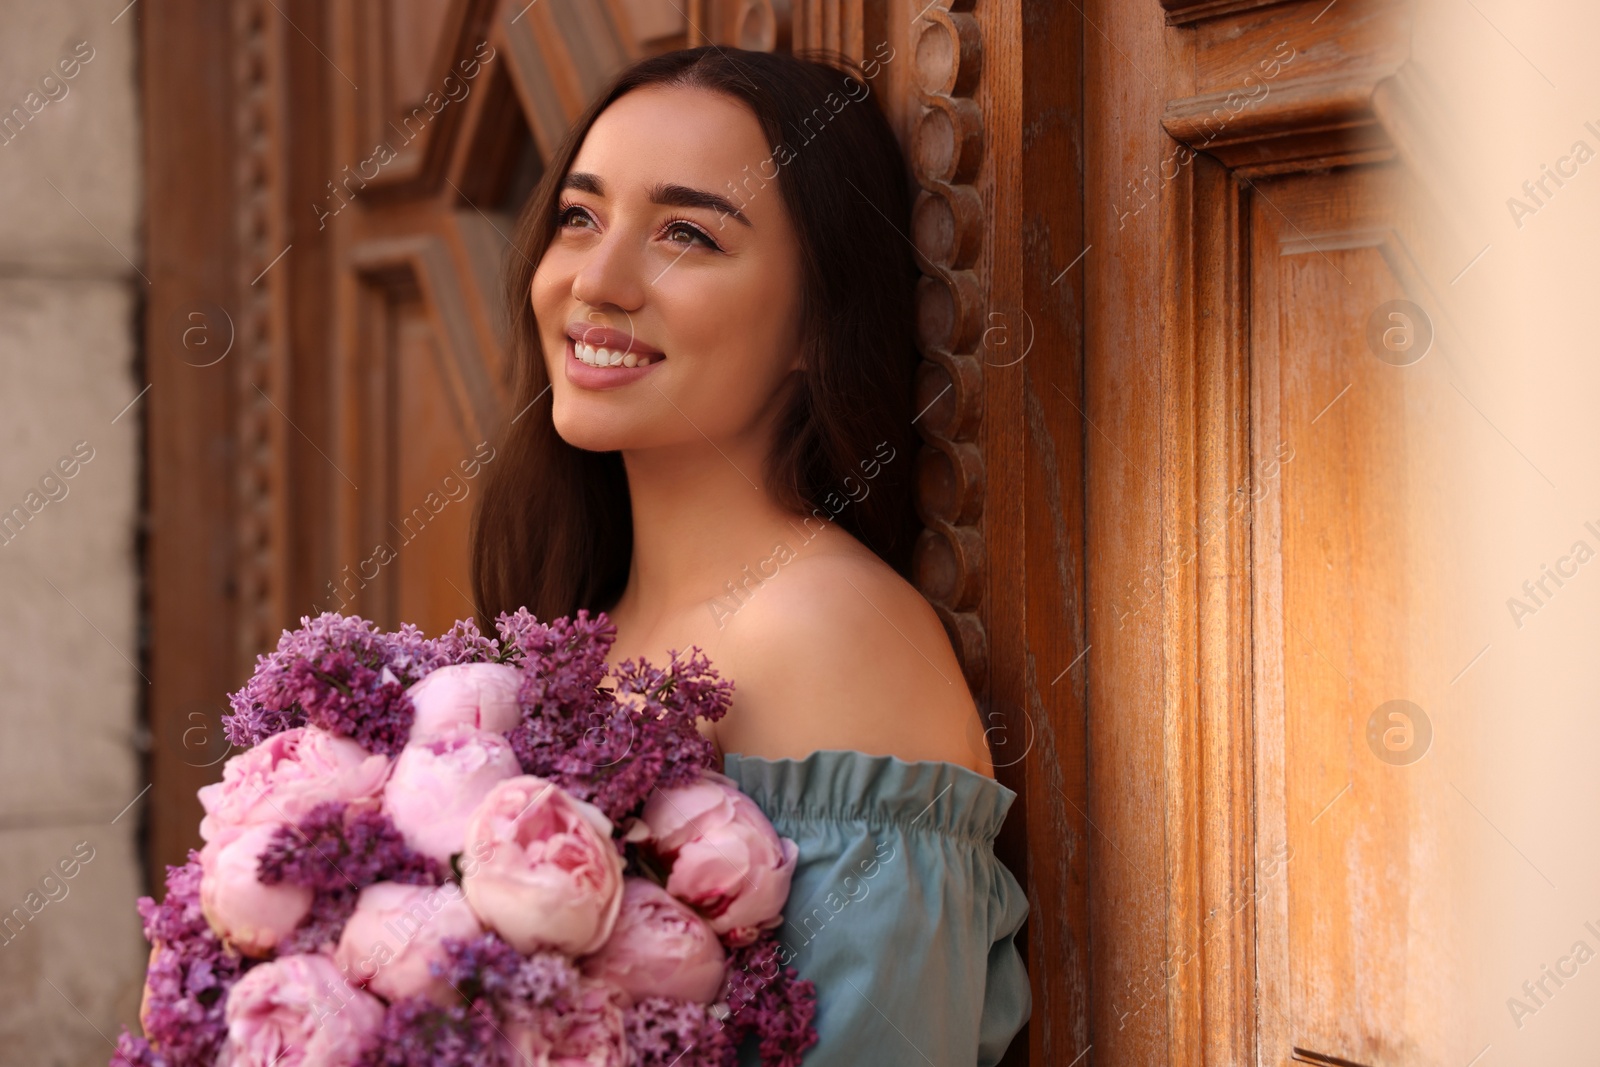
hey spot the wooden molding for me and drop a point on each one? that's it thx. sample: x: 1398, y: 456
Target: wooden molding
x: 1183, y: 12
x: 261, y: 368
x: 1318, y: 122
x: 423, y: 262
x: 419, y: 164
x: 1312, y: 108
x: 1206, y: 622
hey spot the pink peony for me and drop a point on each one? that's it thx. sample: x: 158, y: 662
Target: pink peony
x: 298, y: 1011
x: 395, y: 933
x: 727, y: 860
x: 659, y: 948
x: 550, y: 876
x: 287, y: 775
x: 251, y: 915
x: 438, y: 782
x: 591, y: 1035
x: 480, y: 695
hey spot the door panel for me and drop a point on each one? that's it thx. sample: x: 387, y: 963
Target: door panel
x: 1356, y: 554
x: 1344, y: 817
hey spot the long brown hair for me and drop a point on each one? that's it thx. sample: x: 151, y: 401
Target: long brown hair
x: 553, y: 530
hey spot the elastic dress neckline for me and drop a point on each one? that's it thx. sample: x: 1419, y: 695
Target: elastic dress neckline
x: 842, y: 784
x: 899, y: 910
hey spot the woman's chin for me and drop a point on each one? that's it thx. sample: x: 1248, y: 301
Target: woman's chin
x: 595, y: 434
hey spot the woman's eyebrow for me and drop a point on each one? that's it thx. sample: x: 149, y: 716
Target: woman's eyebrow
x: 664, y: 193
x: 683, y: 196
x: 584, y: 183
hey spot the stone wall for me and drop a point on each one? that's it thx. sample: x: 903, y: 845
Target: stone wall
x: 71, y: 954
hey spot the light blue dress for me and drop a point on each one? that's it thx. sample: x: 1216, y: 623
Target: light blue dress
x: 899, y: 910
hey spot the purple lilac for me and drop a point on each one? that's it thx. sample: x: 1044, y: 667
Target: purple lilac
x: 334, y: 847
x: 770, y: 1001
x: 565, y: 660
x: 613, y: 753
x: 342, y: 673
x: 677, y: 1033
x: 345, y: 696
x: 336, y: 852
x: 270, y: 701
x: 465, y: 643
x: 332, y: 672
x: 188, y: 980
x: 517, y: 988
x: 418, y: 1033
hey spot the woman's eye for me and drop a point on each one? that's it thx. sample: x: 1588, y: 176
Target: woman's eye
x: 572, y: 215
x: 687, y: 233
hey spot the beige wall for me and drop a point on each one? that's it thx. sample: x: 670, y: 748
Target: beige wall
x: 1513, y: 87
x: 69, y: 642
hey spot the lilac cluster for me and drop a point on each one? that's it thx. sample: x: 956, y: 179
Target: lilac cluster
x: 342, y: 673
x: 465, y: 643
x: 334, y: 847
x: 418, y: 1033
x: 334, y: 671
x: 503, y: 993
x: 608, y: 751
x: 761, y: 1000
x: 188, y: 983
x: 768, y: 1000
x: 491, y: 974
x: 344, y: 695
x: 676, y: 1033
x: 336, y: 852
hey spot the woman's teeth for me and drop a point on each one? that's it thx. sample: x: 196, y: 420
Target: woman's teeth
x: 605, y: 357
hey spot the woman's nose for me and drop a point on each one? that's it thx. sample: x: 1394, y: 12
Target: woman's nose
x: 610, y: 273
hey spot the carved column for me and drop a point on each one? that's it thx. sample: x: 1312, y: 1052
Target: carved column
x: 947, y: 228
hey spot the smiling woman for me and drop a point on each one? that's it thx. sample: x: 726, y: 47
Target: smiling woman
x: 719, y: 364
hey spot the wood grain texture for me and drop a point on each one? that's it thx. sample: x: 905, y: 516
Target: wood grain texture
x: 1207, y: 627
x: 1055, y: 676
x: 1180, y: 12
x: 1292, y: 88
x: 191, y: 545
x: 1132, y: 66
x: 1355, y: 620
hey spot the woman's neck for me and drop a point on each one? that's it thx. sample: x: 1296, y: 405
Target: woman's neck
x: 700, y: 513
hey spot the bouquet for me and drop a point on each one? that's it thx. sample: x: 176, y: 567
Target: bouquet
x: 468, y: 850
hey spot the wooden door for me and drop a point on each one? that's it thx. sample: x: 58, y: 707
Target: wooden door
x: 332, y: 186
x: 1266, y: 371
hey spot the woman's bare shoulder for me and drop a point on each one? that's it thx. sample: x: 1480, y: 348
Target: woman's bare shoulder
x: 837, y: 651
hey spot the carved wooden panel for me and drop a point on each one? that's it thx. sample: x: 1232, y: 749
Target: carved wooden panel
x: 948, y: 220
x: 471, y: 96
x: 259, y: 330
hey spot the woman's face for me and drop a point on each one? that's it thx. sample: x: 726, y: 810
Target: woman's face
x: 692, y: 285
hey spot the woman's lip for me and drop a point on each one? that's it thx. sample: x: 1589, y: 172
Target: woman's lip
x: 585, y: 376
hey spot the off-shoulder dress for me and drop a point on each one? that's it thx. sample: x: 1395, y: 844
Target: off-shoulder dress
x: 899, y: 910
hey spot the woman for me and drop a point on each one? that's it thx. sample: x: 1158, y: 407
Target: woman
x: 712, y: 327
